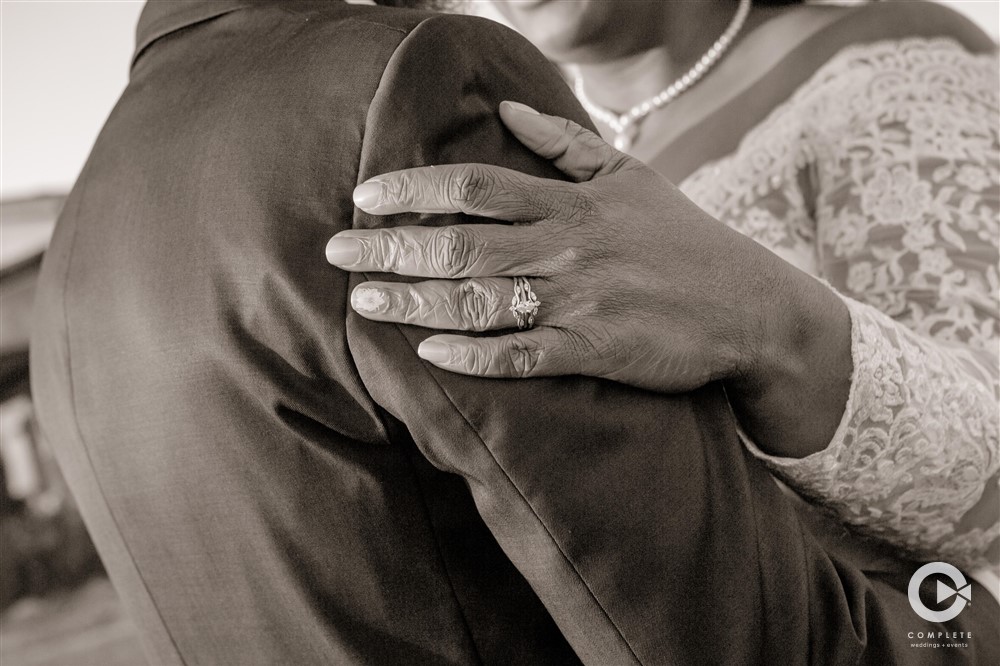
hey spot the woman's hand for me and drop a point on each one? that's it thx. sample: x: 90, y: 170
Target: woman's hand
x: 635, y: 282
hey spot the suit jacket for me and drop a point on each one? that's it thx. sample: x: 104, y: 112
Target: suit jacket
x: 272, y: 479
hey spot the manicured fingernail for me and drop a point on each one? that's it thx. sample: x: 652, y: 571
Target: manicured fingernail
x: 367, y: 195
x: 523, y: 108
x: 368, y: 299
x: 343, y: 251
x: 435, y: 352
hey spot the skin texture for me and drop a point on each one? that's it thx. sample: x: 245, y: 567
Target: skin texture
x: 684, y: 303
x: 637, y: 284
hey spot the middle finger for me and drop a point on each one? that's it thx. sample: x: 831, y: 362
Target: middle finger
x: 457, y: 251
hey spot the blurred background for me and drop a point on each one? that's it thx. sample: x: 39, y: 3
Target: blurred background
x: 62, y: 66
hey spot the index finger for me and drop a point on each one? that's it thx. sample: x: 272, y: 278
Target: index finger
x: 475, y: 189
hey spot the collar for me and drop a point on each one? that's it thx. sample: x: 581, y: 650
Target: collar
x: 162, y: 17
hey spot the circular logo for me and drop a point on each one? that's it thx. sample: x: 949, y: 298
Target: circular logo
x: 962, y: 592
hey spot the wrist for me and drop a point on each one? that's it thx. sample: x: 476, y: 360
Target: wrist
x: 797, y: 363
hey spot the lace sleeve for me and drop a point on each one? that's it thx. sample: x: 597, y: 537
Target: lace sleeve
x: 907, y: 184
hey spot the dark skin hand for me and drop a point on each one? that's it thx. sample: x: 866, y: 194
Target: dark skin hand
x: 636, y: 283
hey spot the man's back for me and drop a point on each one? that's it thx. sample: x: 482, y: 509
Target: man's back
x: 252, y: 502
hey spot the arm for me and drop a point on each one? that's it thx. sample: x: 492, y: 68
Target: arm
x: 641, y: 286
x: 578, y: 478
x: 630, y: 512
x: 907, y: 207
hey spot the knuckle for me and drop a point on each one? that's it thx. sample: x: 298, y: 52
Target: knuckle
x: 403, y: 190
x: 414, y: 307
x: 581, y: 134
x: 617, y: 161
x: 473, y: 360
x: 569, y: 127
x: 586, y: 154
x: 554, y: 146
x: 593, y: 144
x: 471, y: 187
x: 573, y: 205
x: 577, y: 134
x: 580, y: 343
x: 583, y: 205
x: 582, y: 349
x: 384, y: 249
x: 542, y: 205
x: 475, y: 189
x: 558, y: 144
x: 454, y: 250
x: 519, y: 356
x: 614, y: 300
x: 476, y: 306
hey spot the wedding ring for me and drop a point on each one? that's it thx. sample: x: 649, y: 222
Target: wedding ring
x: 524, y: 304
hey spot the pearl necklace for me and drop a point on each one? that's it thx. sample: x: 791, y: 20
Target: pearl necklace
x: 626, y: 125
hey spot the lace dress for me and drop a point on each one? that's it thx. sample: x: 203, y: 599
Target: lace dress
x: 880, y: 175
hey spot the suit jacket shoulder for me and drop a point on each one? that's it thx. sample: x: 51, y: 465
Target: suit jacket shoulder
x: 192, y: 369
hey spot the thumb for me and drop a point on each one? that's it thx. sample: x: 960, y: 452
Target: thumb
x: 576, y: 151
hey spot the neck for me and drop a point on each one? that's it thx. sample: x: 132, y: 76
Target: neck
x: 618, y: 83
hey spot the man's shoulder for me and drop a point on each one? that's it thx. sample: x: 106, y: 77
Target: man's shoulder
x: 321, y: 45
x: 438, y: 40
x: 377, y: 23
x: 273, y: 29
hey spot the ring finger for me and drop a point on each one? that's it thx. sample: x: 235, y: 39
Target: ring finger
x: 476, y: 304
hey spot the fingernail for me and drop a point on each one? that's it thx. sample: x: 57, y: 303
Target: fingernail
x: 435, y: 352
x: 368, y: 299
x: 343, y: 251
x: 367, y: 195
x: 523, y: 108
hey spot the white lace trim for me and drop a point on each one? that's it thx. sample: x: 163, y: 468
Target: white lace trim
x: 897, y: 146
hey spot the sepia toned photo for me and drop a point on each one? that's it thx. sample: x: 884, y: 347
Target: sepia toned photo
x: 499, y: 332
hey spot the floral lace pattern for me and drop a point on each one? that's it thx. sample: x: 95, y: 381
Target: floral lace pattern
x: 881, y: 175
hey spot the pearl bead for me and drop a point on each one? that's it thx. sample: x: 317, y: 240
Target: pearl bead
x: 619, y: 124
